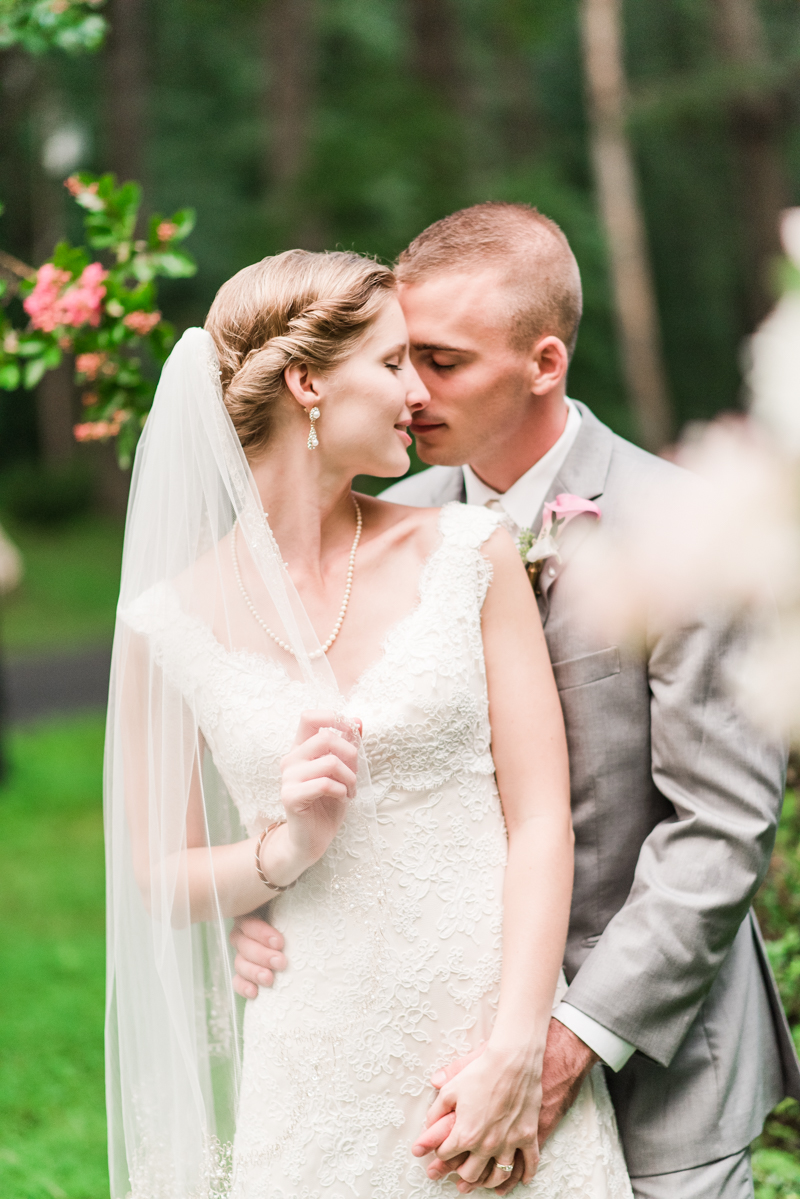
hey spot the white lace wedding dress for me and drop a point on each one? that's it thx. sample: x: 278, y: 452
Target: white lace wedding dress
x: 339, y: 1053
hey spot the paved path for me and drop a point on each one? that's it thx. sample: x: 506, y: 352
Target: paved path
x: 43, y: 686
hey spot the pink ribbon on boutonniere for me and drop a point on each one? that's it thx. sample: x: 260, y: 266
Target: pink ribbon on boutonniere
x: 536, y: 549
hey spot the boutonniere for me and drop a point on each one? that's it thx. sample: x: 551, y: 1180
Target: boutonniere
x: 536, y: 548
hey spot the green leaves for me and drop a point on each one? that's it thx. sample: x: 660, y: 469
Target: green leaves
x: 180, y: 226
x: 108, y: 318
x: 775, y: 1161
x: 31, y: 347
x: 40, y: 25
x: 69, y: 258
x: 172, y: 264
x: 36, y: 356
x: 112, y: 210
x: 10, y: 376
x: 776, y: 1174
x: 33, y: 372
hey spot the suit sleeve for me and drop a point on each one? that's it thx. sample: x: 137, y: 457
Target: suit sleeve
x: 699, y: 869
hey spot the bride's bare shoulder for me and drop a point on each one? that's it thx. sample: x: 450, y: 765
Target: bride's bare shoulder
x: 398, y: 524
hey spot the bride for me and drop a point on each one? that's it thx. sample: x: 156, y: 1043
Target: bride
x: 343, y: 708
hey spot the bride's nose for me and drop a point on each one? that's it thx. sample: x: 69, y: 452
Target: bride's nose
x: 417, y: 394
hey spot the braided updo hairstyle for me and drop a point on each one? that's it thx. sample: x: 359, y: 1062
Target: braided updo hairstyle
x: 296, y: 307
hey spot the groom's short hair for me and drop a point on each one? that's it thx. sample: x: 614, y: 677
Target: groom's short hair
x: 530, y: 251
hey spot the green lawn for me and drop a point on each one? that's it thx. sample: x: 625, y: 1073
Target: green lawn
x: 52, y: 1119
x: 68, y: 596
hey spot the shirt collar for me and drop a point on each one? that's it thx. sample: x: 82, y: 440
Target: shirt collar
x: 524, y: 498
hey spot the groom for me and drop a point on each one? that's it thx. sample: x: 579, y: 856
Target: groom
x: 675, y: 797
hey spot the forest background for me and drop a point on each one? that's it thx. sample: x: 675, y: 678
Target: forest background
x: 355, y: 123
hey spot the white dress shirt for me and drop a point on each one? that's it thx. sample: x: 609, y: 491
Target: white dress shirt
x: 524, y: 498
x: 521, y: 505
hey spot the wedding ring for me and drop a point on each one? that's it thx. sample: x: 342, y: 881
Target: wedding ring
x: 507, y: 1169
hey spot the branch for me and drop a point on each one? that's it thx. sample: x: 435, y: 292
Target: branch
x: 13, y: 271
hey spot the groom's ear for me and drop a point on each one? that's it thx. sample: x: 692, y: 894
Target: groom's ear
x: 300, y: 384
x: 549, y: 364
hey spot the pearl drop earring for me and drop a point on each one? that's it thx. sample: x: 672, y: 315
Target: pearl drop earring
x: 313, y: 440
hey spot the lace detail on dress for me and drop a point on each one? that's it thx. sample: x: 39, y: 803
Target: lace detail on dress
x: 338, y: 1054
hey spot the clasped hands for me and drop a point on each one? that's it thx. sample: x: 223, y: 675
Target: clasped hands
x: 470, y: 1147
x: 485, y: 1116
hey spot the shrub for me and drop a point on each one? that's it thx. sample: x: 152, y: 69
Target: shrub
x: 47, y: 495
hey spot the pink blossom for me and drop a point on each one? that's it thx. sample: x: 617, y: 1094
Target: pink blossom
x: 166, y: 230
x: 76, y: 188
x: 98, y: 430
x: 142, y: 322
x: 42, y: 305
x: 92, y: 430
x: 81, y: 303
x: 89, y: 364
x: 49, y: 306
x: 565, y: 508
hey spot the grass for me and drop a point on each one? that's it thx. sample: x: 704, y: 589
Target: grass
x: 68, y: 596
x: 52, y: 1118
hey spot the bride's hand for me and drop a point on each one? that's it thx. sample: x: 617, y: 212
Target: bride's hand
x: 318, y: 781
x: 496, y: 1100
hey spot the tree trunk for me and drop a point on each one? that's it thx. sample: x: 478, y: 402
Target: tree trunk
x: 288, y: 37
x: 55, y: 392
x: 19, y: 82
x: 126, y: 90
x: 517, y: 121
x: 634, y: 293
x: 453, y: 141
x: 520, y: 130
x: 755, y: 121
x: 54, y: 413
x: 435, y: 47
x: 125, y: 153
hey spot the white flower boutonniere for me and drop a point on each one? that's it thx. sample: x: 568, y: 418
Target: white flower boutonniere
x: 535, y: 549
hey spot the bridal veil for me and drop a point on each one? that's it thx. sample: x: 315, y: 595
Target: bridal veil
x: 172, y: 1027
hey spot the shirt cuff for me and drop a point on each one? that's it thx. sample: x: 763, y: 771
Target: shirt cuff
x: 610, y: 1048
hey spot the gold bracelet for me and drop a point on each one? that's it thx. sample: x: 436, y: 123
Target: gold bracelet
x: 261, y: 874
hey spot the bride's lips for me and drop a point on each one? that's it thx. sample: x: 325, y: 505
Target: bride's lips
x: 403, y: 435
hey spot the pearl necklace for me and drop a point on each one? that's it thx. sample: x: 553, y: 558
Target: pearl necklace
x: 317, y: 653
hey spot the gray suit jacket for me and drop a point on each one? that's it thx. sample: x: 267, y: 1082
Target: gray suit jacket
x: 675, y: 800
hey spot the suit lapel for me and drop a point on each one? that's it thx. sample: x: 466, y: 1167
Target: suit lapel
x: 448, y: 485
x: 583, y: 473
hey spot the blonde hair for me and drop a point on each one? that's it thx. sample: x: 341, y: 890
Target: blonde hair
x: 538, y: 267
x: 296, y: 307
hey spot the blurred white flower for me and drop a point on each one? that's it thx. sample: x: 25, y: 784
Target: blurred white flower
x: 774, y: 372
x: 722, y: 535
x: 767, y: 680
x: 726, y: 535
x: 790, y: 234
x: 64, y: 149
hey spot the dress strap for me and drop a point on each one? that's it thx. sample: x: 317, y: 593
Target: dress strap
x: 467, y: 526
